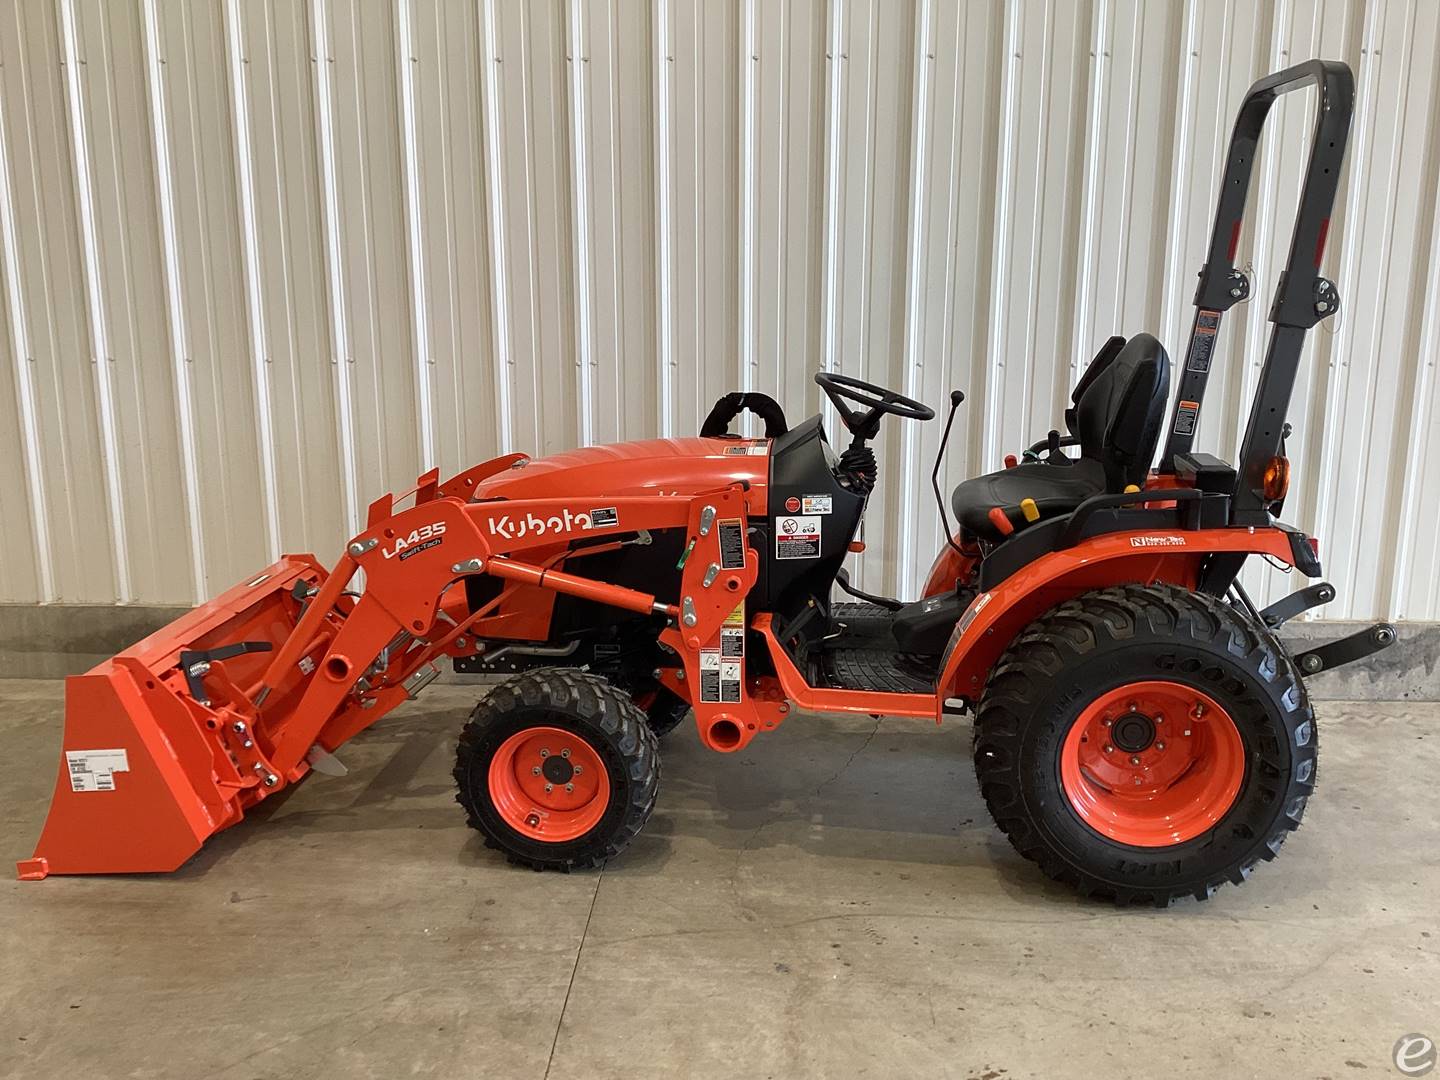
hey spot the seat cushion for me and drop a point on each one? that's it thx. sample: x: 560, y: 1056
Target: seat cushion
x: 1056, y: 489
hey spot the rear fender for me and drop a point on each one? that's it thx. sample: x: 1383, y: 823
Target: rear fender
x: 994, y: 618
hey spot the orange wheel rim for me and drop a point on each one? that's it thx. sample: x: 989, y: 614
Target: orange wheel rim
x: 549, y: 784
x: 1151, y: 764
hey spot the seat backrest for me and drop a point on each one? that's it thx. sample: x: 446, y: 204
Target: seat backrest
x: 1119, y: 413
x: 1098, y: 363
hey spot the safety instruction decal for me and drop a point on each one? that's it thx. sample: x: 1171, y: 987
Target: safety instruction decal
x: 732, y: 544
x: 797, y: 537
x: 719, y: 677
x: 722, y: 669
x: 815, y: 504
x: 1185, y: 415
x: 1206, y: 324
x: 94, y: 770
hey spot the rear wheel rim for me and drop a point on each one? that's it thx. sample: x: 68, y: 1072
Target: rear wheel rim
x: 1152, y: 764
x: 549, y: 784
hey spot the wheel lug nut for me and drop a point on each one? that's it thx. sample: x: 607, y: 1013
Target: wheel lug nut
x: 549, y: 788
x: 544, y: 753
x: 1134, y: 759
x: 1159, y: 746
x: 569, y: 787
x: 1109, y: 749
x: 533, y: 820
x: 1105, y: 722
x: 579, y: 769
x: 565, y: 753
x: 535, y: 771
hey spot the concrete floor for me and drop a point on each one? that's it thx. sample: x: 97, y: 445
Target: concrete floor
x: 832, y: 902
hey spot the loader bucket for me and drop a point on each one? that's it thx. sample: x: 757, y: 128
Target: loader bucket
x: 148, y: 770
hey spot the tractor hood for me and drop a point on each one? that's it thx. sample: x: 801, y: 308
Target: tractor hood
x: 650, y: 466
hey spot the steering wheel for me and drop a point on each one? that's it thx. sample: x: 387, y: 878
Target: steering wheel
x: 875, y: 399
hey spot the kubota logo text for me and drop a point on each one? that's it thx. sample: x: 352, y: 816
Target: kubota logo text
x: 565, y: 521
x: 426, y: 536
x: 1157, y: 541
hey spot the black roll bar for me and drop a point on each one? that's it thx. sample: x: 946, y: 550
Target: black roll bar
x: 1302, y: 297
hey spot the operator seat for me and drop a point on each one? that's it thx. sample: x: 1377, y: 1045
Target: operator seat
x: 1119, y: 405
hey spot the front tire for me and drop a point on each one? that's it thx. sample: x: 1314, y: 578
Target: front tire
x: 558, y: 769
x: 1144, y: 742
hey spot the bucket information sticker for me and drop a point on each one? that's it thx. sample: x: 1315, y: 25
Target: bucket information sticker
x: 797, y: 537
x: 815, y: 504
x: 94, y: 770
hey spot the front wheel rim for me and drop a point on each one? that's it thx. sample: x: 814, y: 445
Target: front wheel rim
x: 549, y: 784
x: 1152, y: 764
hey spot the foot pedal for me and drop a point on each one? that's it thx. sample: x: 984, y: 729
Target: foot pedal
x: 842, y: 578
x: 1347, y: 650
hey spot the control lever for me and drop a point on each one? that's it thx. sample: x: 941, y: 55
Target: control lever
x: 956, y: 397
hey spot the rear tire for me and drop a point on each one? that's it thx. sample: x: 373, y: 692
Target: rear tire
x: 1174, y: 691
x: 558, y: 769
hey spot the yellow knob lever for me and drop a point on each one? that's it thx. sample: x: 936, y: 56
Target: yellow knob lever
x: 1029, y: 509
x: 1131, y: 489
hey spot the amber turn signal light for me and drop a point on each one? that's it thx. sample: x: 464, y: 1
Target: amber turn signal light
x: 1277, y: 479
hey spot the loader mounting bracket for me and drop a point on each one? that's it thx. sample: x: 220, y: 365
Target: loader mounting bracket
x: 195, y: 663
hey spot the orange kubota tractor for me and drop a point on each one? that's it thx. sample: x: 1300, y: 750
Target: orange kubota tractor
x: 1140, y: 730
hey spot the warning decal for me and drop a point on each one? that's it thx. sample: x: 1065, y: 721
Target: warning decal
x: 732, y: 544
x: 1206, y: 324
x: 709, y: 674
x: 94, y: 770
x: 815, y: 504
x: 797, y: 537
x: 1185, y: 415
x: 722, y: 669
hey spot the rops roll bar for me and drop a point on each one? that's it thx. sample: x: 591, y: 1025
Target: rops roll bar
x: 1302, y: 297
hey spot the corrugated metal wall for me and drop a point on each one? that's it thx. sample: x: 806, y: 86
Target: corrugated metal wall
x: 262, y: 261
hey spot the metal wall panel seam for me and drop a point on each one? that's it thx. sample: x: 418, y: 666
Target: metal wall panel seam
x: 580, y: 192
x: 1037, y: 216
x: 1174, y: 294
x: 95, y: 301
x: 749, y: 58
x: 914, y: 363
x: 829, y: 253
x: 499, y: 278
x: 414, y: 235
x: 1127, y: 179
x: 24, y: 375
x: 1095, y: 108
x: 174, y: 295
x: 321, y: 63
x: 250, y: 257
x: 1366, y: 104
x: 664, y: 92
x: 1420, y: 410
x: 1000, y: 294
